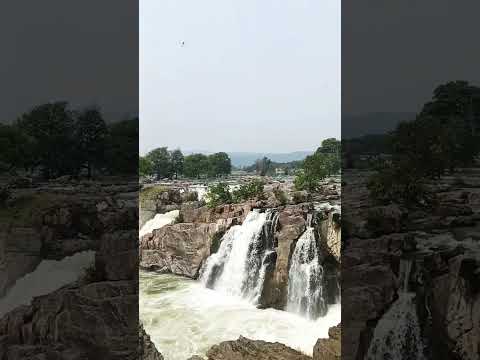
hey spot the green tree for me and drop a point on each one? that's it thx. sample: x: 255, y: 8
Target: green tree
x: 15, y: 149
x: 51, y: 128
x: 219, y: 164
x: 122, y: 147
x: 90, y: 138
x: 145, y: 166
x: 195, y: 165
x: 161, y: 160
x: 177, y: 162
x: 326, y: 161
x: 218, y: 194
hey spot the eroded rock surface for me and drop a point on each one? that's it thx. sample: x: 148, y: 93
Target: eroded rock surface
x: 443, y: 244
x: 329, y: 349
x: 246, y: 349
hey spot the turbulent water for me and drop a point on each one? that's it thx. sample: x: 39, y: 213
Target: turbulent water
x: 159, y: 221
x: 239, y: 266
x: 305, y: 278
x: 184, y: 318
x: 397, y: 335
x: 48, y: 276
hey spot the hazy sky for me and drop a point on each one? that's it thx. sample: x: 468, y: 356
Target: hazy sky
x: 83, y: 52
x: 252, y: 75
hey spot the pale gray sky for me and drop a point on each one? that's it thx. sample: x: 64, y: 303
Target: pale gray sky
x: 251, y: 76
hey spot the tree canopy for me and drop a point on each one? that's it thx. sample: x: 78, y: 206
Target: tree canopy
x: 163, y: 163
x: 55, y: 140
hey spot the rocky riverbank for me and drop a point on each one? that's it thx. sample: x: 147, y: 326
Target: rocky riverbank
x: 441, y: 243
x: 96, y: 316
x: 182, y: 248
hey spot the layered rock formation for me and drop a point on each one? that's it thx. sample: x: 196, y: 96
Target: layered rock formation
x: 51, y: 223
x: 443, y: 245
x: 97, y: 316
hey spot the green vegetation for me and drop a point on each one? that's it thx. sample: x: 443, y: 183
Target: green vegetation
x: 252, y: 189
x: 281, y: 196
x: 162, y: 163
x: 440, y: 139
x: 151, y: 193
x: 54, y: 140
x: 219, y: 194
x: 324, y: 162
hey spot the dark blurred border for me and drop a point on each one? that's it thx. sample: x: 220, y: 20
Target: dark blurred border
x: 69, y: 179
x: 410, y: 116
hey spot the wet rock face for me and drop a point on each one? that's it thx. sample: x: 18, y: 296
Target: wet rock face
x: 329, y: 349
x: 453, y: 299
x: 444, y: 243
x: 75, y: 322
x: 147, y: 349
x: 246, y: 349
x: 51, y: 223
x: 94, y: 318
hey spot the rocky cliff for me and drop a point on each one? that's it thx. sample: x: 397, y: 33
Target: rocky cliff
x: 441, y: 242
x: 97, y: 316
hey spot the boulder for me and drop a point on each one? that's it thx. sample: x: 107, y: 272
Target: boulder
x: 329, y: 349
x: 246, y: 349
x: 179, y: 248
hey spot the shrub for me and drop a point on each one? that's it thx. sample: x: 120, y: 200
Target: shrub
x: 250, y: 190
x: 280, y: 195
x: 391, y: 184
x: 218, y: 194
x: 300, y: 197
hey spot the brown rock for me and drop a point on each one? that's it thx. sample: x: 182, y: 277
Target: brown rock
x: 246, y: 349
x: 329, y: 349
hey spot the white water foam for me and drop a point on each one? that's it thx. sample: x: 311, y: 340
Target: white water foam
x: 159, y: 221
x: 183, y: 318
x: 238, y: 268
x: 48, y: 276
x: 397, y: 334
x: 305, y: 278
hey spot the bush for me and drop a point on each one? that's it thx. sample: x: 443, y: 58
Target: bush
x: 393, y: 185
x: 280, y: 195
x: 218, y: 194
x: 299, y: 197
x: 250, y: 190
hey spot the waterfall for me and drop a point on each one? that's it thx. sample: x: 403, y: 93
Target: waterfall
x: 240, y: 265
x: 305, y: 277
x: 158, y: 222
x: 397, y: 334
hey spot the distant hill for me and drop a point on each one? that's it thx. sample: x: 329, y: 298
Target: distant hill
x: 240, y: 159
x: 372, y: 123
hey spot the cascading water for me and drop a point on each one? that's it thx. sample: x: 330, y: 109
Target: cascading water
x: 240, y: 265
x: 305, y: 277
x: 397, y: 335
x: 158, y: 222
